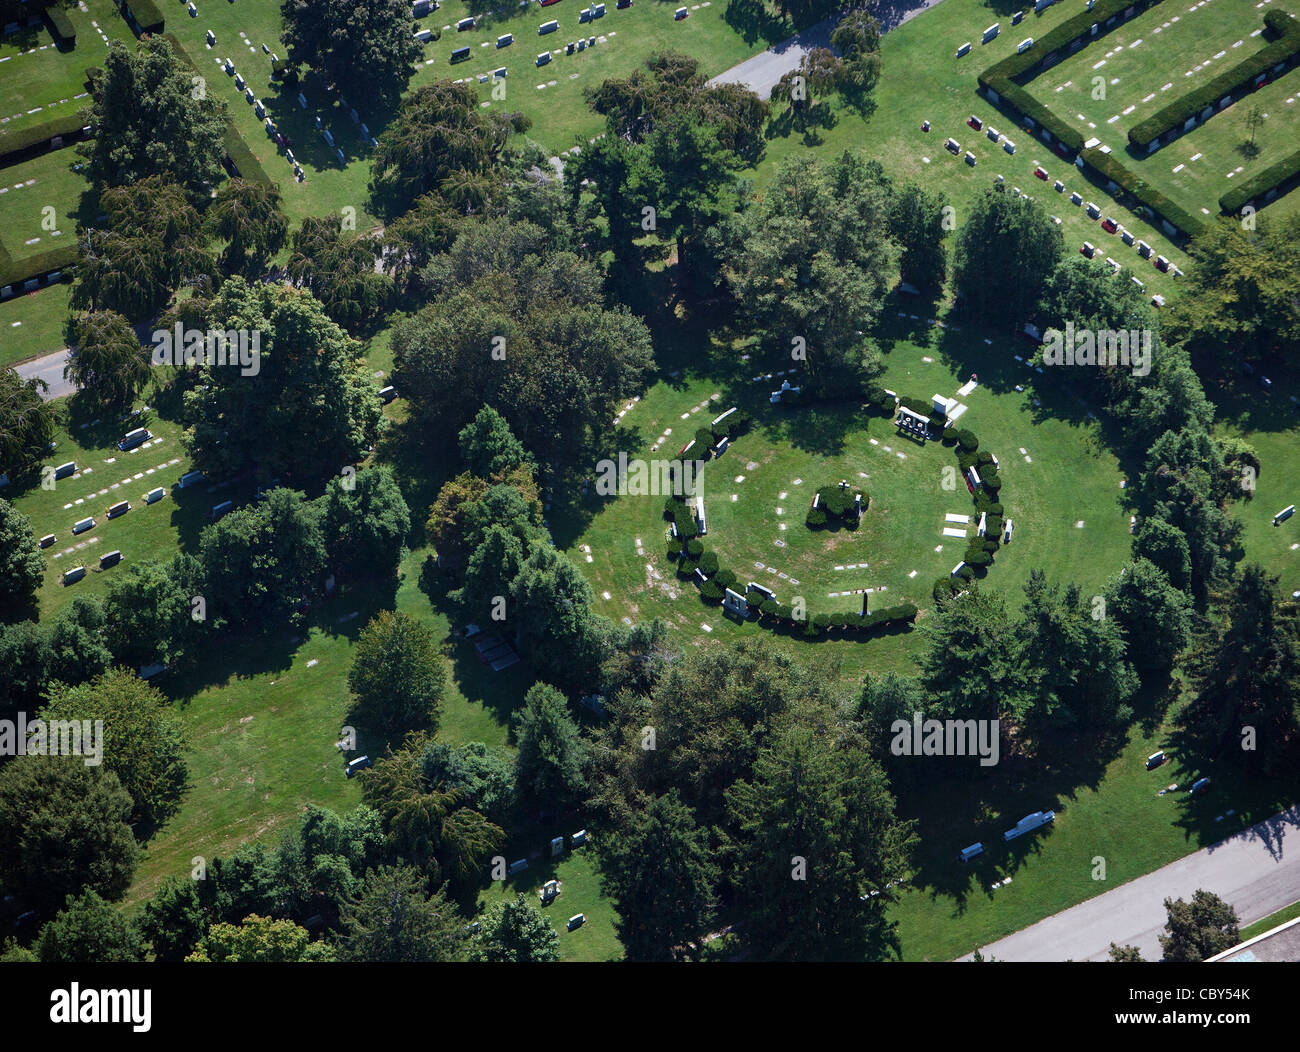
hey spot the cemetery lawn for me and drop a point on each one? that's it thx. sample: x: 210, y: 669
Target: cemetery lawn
x: 32, y: 325
x: 145, y: 532
x: 1106, y: 808
x: 262, y: 718
x: 921, y: 79
x: 559, y: 113
x: 905, y: 522
x: 34, y: 72
x: 1268, y: 421
x: 580, y: 892
x: 52, y: 180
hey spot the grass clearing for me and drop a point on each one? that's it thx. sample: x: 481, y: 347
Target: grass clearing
x: 907, y: 516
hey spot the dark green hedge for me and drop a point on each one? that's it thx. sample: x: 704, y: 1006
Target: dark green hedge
x: 1261, y: 183
x: 146, y: 13
x: 242, y: 158
x: 24, y: 137
x: 61, y: 25
x: 1107, y: 166
x: 1000, y: 77
x: 1173, y: 115
x: 17, y: 271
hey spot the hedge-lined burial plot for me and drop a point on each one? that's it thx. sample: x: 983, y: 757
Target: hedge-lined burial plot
x: 1148, y: 82
x: 31, y: 77
x: 47, y: 181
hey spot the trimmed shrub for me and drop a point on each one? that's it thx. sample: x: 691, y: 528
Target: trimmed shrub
x: 983, y: 457
x: 966, y: 573
x: 687, y: 568
x: 815, y: 517
x: 16, y: 142
x: 837, y: 501
x: 725, y: 578
x: 993, y: 525
x: 944, y: 588
x: 694, y: 547
x: 146, y: 14
x: 965, y: 461
x: 992, y: 482
x: 61, y: 26
x: 977, y: 558
x: 709, y: 563
x: 674, y: 548
x: 966, y: 439
x: 1106, y: 165
x: 711, y: 592
x: 1275, y: 176
x: 770, y: 607
x: 991, y: 544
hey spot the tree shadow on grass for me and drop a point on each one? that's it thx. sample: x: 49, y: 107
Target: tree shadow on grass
x: 956, y: 802
x: 754, y: 22
x: 499, y: 693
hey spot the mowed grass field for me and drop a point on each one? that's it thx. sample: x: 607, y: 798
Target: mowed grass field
x: 1064, y: 477
x: 1147, y: 63
x: 1111, y: 827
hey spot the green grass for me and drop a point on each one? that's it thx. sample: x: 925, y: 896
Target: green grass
x: 921, y: 79
x: 145, y: 532
x: 906, y: 519
x: 32, y: 325
x: 1270, y: 922
x: 36, y: 75
x: 51, y: 181
x: 263, y: 717
x: 560, y: 115
x: 1269, y: 422
x: 1106, y: 809
x: 580, y: 892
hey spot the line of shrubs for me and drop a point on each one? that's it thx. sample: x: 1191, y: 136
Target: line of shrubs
x: 17, y: 143
x: 1274, y: 177
x: 1000, y: 77
x: 1175, y: 114
x: 145, y: 14
x: 14, y: 272
x: 979, y: 550
x: 1108, y: 167
x: 779, y: 616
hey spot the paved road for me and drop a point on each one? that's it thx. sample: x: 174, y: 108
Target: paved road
x: 1252, y: 871
x: 49, y: 368
x: 762, y: 72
